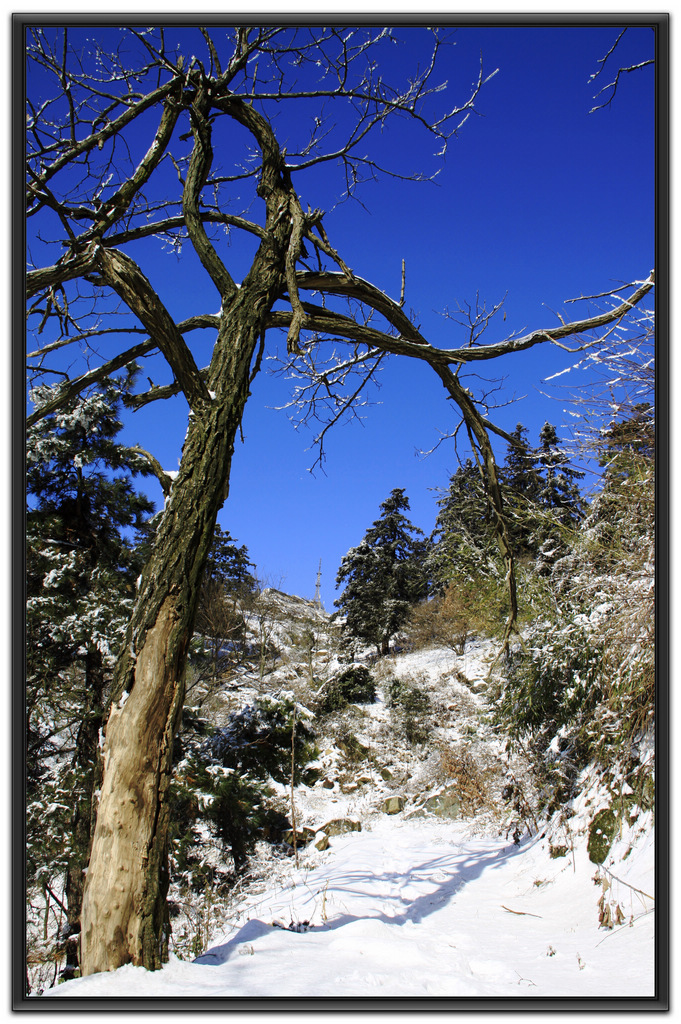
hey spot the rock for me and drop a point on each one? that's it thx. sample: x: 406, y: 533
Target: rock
x: 445, y: 804
x: 386, y: 774
x: 338, y: 826
x: 352, y: 748
x: 322, y: 842
x: 328, y: 784
x: 602, y: 831
x: 393, y: 805
x: 304, y: 835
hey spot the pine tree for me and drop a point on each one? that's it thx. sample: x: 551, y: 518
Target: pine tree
x: 521, y: 482
x: 629, y: 443
x: 559, y: 493
x: 384, y: 576
x: 621, y: 512
x: 81, y: 566
x: 463, y: 541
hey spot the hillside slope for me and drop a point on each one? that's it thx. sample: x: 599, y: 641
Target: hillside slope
x: 420, y: 877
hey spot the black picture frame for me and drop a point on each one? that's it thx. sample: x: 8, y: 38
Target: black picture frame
x: 660, y: 24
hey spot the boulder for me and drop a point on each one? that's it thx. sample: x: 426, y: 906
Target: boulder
x: 602, y: 831
x: 322, y: 842
x: 328, y: 784
x: 393, y: 805
x: 338, y: 826
x: 304, y: 836
x: 418, y: 813
x: 445, y: 804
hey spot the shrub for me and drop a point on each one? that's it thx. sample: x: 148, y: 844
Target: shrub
x: 466, y: 608
x: 409, y: 698
x: 354, y: 751
x: 410, y: 706
x: 458, y: 764
x: 257, y: 740
x: 221, y: 786
x: 354, y: 686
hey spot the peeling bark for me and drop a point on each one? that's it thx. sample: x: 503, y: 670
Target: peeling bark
x: 124, y: 917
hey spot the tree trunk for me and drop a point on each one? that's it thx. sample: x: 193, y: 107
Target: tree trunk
x: 86, y: 762
x: 124, y: 917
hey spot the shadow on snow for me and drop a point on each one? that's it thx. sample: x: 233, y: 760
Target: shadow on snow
x: 385, y: 888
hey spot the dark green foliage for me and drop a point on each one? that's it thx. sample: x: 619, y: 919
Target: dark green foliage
x: 408, y: 697
x: 83, y: 519
x: 223, y: 781
x: 521, y: 486
x: 411, y: 707
x: 583, y: 689
x: 620, y: 517
x: 354, y: 751
x: 629, y: 442
x: 257, y: 741
x: 463, y: 542
x: 238, y: 815
x: 384, y: 576
x: 559, y: 497
x: 354, y: 686
x: 229, y: 565
x: 548, y: 702
x: 602, y: 831
x: 227, y: 590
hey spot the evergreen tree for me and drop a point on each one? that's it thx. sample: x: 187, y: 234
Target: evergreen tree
x: 621, y: 511
x: 229, y: 565
x: 559, y: 493
x: 629, y: 443
x: 81, y: 568
x: 521, y: 483
x: 463, y: 541
x: 582, y: 691
x: 384, y: 576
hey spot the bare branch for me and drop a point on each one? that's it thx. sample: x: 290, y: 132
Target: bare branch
x: 199, y: 166
x: 612, y: 86
x: 123, y: 275
x: 154, y: 465
x: 74, y: 387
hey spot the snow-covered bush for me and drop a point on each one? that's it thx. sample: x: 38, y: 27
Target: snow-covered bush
x: 410, y: 707
x: 355, y: 685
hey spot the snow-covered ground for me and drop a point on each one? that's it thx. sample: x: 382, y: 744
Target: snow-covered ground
x: 421, y: 906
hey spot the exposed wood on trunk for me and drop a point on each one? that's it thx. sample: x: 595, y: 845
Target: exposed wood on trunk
x: 125, y: 897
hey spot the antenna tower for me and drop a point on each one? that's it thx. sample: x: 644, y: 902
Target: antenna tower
x: 318, y: 592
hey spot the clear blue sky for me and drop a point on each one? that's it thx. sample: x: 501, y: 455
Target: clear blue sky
x: 539, y: 200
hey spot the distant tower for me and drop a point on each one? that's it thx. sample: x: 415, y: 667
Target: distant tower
x: 318, y: 591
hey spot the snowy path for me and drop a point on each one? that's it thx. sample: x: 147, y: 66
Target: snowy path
x: 418, y: 908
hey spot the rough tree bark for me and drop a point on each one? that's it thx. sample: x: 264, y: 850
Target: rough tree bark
x: 124, y: 909
x: 87, y: 761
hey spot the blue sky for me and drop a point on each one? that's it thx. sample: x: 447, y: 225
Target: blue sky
x: 538, y: 200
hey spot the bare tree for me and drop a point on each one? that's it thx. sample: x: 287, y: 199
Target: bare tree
x: 130, y: 140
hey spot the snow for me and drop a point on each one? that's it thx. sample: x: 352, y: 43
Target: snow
x: 415, y: 905
x: 419, y: 908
